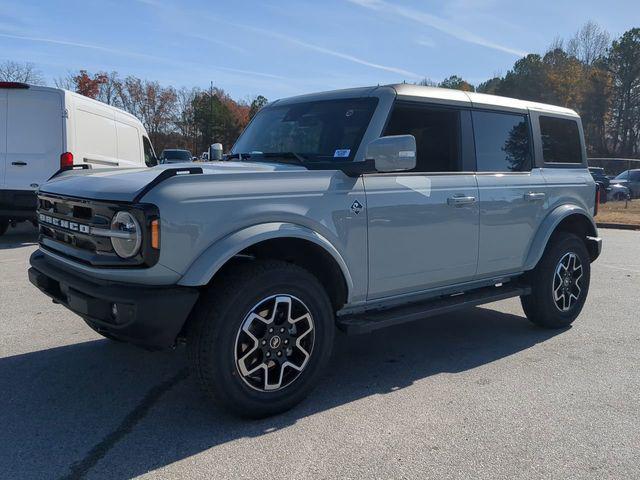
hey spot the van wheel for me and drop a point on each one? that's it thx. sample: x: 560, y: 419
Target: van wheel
x: 4, y: 225
x: 559, y: 283
x: 260, y: 338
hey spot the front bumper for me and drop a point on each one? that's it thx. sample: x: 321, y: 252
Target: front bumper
x: 149, y: 316
x: 18, y: 204
x: 594, y: 245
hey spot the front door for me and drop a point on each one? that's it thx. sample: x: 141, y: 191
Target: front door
x: 423, y: 231
x: 423, y: 225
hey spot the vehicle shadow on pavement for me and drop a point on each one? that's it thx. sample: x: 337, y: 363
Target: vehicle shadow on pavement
x: 110, y: 410
x: 22, y: 235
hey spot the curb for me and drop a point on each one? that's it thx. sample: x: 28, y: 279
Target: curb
x: 619, y: 226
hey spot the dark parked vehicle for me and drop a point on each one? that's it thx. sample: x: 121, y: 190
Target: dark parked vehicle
x: 175, y: 155
x: 631, y: 180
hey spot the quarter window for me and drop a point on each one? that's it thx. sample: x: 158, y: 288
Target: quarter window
x: 560, y: 140
x: 437, y: 134
x: 502, y: 142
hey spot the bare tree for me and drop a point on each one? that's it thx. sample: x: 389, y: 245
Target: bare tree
x: 109, y: 88
x: 65, y: 82
x: 184, y: 116
x: 427, y: 82
x: 590, y: 43
x: 20, y: 72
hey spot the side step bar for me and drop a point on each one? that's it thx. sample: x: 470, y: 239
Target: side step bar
x: 372, y: 320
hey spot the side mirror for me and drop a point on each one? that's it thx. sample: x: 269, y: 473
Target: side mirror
x: 394, y: 153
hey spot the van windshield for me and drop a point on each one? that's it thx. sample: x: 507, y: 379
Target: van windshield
x: 312, y: 131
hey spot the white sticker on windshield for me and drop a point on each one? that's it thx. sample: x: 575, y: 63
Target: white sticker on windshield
x: 343, y: 153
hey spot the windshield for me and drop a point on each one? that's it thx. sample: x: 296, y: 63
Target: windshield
x: 623, y: 176
x: 176, y: 156
x: 315, y: 131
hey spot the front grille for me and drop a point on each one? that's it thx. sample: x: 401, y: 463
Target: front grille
x: 65, y: 223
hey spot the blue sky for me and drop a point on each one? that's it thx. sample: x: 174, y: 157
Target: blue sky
x: 287, y: 47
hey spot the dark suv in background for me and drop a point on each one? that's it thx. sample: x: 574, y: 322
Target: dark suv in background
x: 175, y: 155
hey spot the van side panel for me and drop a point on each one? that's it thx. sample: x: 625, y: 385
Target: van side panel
x: 34, y: 137
x: 129, y: 143
x: 3, y: 135
x: 96, y: 143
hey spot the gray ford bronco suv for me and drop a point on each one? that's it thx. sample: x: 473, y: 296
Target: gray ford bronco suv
x: 355, y: 209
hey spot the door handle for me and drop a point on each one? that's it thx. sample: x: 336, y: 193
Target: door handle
x: 459, y: 200
x: 19, y: 164
x: 534, y: 196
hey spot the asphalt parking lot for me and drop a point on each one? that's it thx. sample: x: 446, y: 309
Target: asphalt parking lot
x: 478, y: 394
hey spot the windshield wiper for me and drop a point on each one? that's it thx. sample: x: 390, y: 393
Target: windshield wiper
x: 239, y: 156
x: 286, y: 155
x: 283, y: 157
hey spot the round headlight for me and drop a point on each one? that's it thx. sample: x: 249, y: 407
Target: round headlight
x: 126, y: 235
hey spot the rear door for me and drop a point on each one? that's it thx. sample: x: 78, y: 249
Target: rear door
x: 3, y: 135
x: 34, y: 137
x: 512, y: 193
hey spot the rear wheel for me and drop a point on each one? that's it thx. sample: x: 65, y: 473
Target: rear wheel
x: 261, y: 337
x: 559, y: 283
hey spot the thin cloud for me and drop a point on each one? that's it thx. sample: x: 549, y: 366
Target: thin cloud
x: 78, y: 45
x: 252, y: 72
x: 327, y: 51
x: 435, y: 22
x: 425, y: 42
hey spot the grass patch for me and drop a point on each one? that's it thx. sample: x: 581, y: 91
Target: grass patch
x: 615, y: 212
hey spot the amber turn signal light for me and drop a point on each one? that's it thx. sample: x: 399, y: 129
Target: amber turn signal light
x: 155, y: 234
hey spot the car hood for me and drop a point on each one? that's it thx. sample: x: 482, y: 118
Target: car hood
x: 125, y: 185
x: 622, y: 183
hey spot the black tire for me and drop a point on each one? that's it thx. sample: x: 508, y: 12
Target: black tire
x: 4, y: 225
x: 214, y: 337
x: 540, y: 306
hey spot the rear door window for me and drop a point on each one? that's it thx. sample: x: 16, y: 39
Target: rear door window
x: 560, y: 140
x: 503, y: 142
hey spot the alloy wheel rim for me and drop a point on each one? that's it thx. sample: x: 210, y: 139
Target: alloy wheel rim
x: 567, y: 282
x: 274, y: 343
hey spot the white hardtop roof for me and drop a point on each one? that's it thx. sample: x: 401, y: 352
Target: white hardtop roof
x: 478, y: 99
x: 439, y: 95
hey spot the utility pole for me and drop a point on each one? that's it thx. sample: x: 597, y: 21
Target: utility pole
x: 210, y: 140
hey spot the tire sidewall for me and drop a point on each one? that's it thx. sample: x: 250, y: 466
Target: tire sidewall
x: 544, y: 288
x: 227, y: 382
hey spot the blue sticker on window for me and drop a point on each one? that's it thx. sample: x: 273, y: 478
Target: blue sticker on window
x: 343, y: 153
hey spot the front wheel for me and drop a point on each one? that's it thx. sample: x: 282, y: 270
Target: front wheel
x: 559, y: 283
x: 261, y: 337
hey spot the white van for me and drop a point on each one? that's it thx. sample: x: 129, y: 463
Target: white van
x: 45, y: 129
